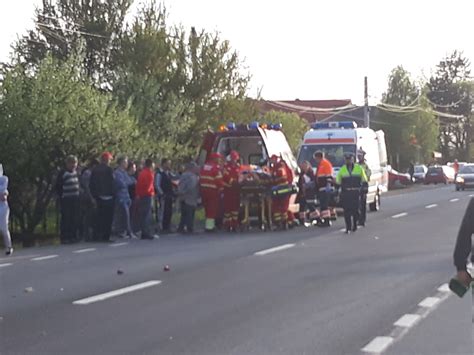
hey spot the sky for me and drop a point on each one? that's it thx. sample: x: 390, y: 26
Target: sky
x: 313, y: 49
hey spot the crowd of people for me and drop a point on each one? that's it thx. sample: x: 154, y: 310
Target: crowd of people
x: 100, y: 202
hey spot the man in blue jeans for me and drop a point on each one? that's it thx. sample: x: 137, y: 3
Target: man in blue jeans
x: 123, y: 181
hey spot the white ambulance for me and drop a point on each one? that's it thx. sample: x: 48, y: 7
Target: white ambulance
x: 336, y: 139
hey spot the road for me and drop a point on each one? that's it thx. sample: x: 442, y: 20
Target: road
x: 305, y: 291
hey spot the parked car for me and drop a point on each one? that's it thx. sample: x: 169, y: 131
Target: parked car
x: 397, y: 179
x: 465, y: 177
x: 440, y: 175
x: 420, y: 173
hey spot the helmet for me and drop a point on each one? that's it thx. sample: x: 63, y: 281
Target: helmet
x: 216, y: 156
x: 274, y: 158
x: 234, y: 156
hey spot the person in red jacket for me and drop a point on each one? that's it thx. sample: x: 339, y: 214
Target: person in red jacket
x: 144, y: 192
x: 280, y: 204
x: 211, y: 186
x: 231, y: 191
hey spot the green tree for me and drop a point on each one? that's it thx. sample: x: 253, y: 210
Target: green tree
x: 450, y: 93
x: 64, y: 28
x: 411, y: 131
x: 46, y: 115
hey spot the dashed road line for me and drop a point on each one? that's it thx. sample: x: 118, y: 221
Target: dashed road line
x: 431, y: 206
x: 118, y: 244
x: 444, y: 288
x: 429, y: 302
x: 80, y: 251
x: 47, y: 257
x: 275, y: 249
x: 116, y: 293
x: 454, y: 200
x: 378, y: 345
x: 400, y: 215
x: 407, y: 321
x: 5, y: 265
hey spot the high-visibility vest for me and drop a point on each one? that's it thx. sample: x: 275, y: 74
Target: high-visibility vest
x: 211, y: 176
x: 351, y: 179
x: 324, y: 174
x: 231, y: 175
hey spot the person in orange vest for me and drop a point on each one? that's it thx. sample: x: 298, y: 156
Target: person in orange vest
x: 231, y: 191
x: 324, y: 186
x: 211, y: 186
x: 280, y: 204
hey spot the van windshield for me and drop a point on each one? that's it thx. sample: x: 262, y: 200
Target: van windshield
x: 333, y: 152
x: 251, y: 149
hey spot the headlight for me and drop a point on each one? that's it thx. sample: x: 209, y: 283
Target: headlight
x: 460, y: 179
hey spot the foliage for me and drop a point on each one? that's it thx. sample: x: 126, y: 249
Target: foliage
x: 450, y: 92
x: 47, y: 115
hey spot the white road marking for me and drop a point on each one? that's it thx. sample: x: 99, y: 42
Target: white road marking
x: 400, y: 215
x: 378, y: 345
x: 454, y: 200
x: 116, y: 293
x: 84, y: 250
x: 432, y: 206
x: 45, y: 257
x: 429, y: 302
x: 408, y: 320
x: 273, y: 250
x: 472, y: 195
x: 342, y: 230
x: 118, y: 244
x: 5, y: 265
x: 444, y: 288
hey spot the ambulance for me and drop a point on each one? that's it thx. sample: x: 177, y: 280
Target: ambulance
x: 336, y: 139
x: 255, y: 142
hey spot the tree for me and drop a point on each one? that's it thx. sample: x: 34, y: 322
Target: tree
x: 46, y: 115
x: 450, y: 93
x: 65, y: 28
x: 411, y: 130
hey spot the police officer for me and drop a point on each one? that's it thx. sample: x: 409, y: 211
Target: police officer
x: 364, y: 190
x: 350, y: 180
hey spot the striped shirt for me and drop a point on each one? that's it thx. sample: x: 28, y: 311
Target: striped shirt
x: 69, y: 185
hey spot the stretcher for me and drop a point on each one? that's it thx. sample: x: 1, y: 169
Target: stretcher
x: 256, y: 201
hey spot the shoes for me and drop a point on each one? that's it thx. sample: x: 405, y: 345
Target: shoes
x: 134, y: 236
x: 150, y: 237
x: 354, y: 229
x: 348, y: 231
x: 361, y: 224
x: 9, y: 251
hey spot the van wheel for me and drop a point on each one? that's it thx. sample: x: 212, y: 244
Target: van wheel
x: 375, y: 206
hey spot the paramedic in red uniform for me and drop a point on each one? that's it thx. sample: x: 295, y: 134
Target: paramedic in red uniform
x: 324, y: 182
x: 211, y: 187
x: 280, y: 204
x: 231, y: 191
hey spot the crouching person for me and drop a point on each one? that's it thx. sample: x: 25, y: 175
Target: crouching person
x: 188, y: 194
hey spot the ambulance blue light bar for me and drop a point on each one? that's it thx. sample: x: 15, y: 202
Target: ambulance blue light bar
x: 231, y: 126
x: 276, y: 126
x: 329, y: 125
x: 254, y: 125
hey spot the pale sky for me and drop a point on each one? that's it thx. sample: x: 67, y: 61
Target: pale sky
x: 312, y: 49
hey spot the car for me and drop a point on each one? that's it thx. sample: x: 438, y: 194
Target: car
x: 420, y: 173
x: 439, y: 175
x: 397, y: 179
x: 465, y: 177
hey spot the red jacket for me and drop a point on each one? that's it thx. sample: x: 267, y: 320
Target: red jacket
x: 211, y: 177
x: 145, y: 181
x: 231, y: 175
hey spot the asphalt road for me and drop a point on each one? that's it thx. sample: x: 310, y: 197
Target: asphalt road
x: 322, y: 292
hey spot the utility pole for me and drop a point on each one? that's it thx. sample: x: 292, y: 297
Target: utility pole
x: 366, y: 104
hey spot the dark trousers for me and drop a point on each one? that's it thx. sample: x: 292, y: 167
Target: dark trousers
x: 363, y: 209
x: 145, y: 205
x: 105, y: 216
x: 350, y: 203
x: 187, y: 217
x: 167, y: 212
x: 70, y: 209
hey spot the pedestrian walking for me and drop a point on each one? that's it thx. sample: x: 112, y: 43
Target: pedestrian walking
x: 123, y: 202
x: 188, y: 194
x: 364, y: 190
x: 350, y: 180
x: 164, y: 182
x: 102, y: 189
x: 5, y: 213
x: 87, y: 202
x: 145, y: 192
x: 67, y: 188
x: 211, y: 187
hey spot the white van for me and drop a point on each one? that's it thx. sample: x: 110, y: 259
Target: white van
x: 336, y: 139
